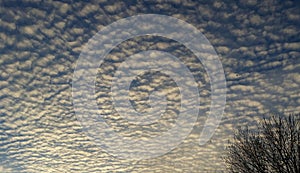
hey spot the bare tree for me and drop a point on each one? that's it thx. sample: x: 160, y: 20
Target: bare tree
x: 273, y: 147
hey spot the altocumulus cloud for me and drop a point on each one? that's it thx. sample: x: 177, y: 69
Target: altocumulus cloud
x: 258, y: 43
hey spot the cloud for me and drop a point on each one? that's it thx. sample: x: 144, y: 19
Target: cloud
x: 40, y: 42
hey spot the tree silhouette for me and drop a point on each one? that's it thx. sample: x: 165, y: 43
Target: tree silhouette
x: 274, y: 147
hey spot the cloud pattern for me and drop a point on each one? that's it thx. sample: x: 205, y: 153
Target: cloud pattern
x: 258, y: 44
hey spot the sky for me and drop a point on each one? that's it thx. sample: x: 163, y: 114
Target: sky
x: 41, y: 43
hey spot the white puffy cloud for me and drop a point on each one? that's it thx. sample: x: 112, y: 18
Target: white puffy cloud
x: 257, y: 42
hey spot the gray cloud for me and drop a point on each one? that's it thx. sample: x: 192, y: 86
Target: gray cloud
x: 258, y: 43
